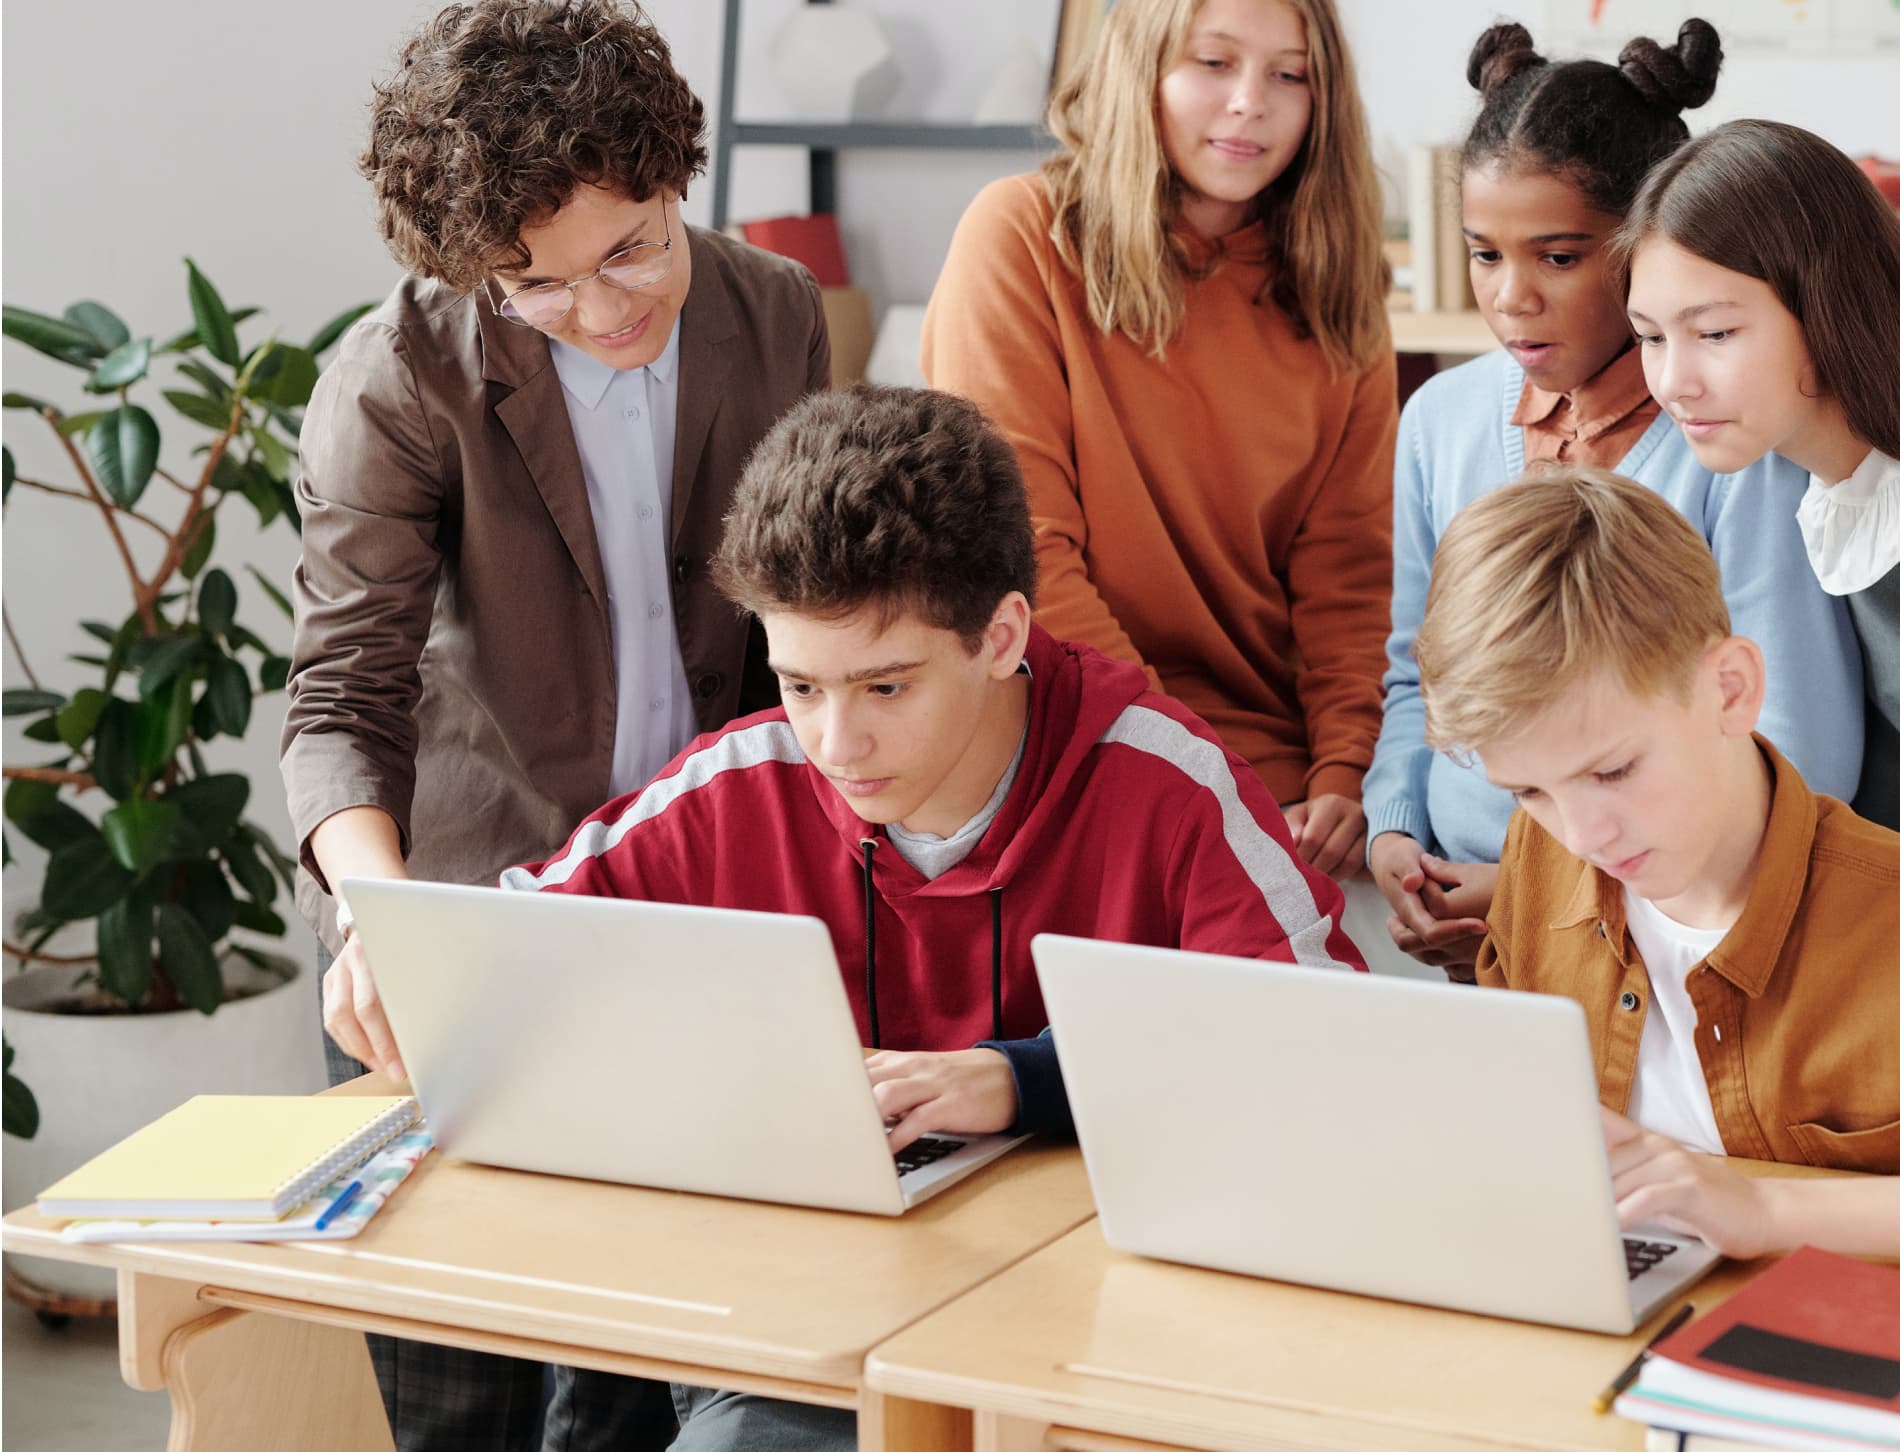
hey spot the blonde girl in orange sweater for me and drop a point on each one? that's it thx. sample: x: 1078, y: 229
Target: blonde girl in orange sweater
x: 1180, y: 325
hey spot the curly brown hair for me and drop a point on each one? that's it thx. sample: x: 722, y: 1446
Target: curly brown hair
x: 500, y: 109
x: 902, y: 498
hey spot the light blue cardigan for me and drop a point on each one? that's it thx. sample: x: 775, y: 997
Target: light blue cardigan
x: 1456, y: 443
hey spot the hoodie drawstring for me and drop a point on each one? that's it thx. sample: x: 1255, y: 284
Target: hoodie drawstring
x: 996, y: 963
x: 869, y: 845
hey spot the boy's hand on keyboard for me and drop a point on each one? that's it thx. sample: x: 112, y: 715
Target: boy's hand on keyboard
x: 970, y: 1091
x: 1658, y: 1181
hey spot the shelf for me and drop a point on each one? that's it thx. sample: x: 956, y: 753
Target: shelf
x: 919, y: 134
x: 1455, y: 335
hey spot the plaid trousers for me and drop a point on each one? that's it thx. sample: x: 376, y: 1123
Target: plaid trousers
x: 445, y: 1399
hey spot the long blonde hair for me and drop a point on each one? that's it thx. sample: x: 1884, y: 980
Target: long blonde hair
x: 1115, y: 196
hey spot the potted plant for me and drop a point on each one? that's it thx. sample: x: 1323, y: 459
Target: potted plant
x: 145, y: 841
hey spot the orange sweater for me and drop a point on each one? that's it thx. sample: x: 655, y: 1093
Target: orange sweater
x: 1222, y: 516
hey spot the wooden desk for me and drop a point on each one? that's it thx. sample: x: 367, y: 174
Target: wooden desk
x: 257, y: 1343
x: 1082, y: 1347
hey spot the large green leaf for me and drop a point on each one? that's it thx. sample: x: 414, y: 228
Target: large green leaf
x: 285, y: 376
x: 326, y: 336
x: 6, y: 472
x: 217, y: 602
x: 275, y: 454
x: 216, y: 329
x: 115, y: 749
x: 140, y: 832
x: 24, y: 700
x: 207, y: 892
x: 99, y: 320
x: 19, y: 1110
x: 211, y: 806
x: 55, y: 337
x: 285, y: 867
x: 124, y: 449
x: 83, y: 880
x: 229, y: 692
x: 45, y: 729
x: 277, y: 596
x: 257, y: 918
x: 272, y: 672
x: 204, y: 534
x: 165, y: 659
x: 125, y: 947
x: 162, y: 725
x: 26, y: 400
x: 35, y: 808
x: 199, y: 409
x: 187, y: 340
x: 185, y: 951
x: 122, y: 367
x: 248, y: 868
x: 77, y: 719
x: 211, y: 383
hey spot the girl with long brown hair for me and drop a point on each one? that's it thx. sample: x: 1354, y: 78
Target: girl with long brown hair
x: 1764, y: 284
x: 1180, y: 325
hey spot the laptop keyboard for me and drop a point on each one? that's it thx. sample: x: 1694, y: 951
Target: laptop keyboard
x: 1644, y: 1255
x: 930, y: 1149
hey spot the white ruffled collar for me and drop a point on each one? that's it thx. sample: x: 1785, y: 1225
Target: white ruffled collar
x: 1852, y: 528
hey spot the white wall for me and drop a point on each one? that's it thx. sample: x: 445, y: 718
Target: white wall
x: 227, y: 131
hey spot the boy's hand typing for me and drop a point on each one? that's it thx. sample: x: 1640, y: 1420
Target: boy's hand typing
x: 1438, y: 907
x: 1657, y: 1180
x: 970, y: 1091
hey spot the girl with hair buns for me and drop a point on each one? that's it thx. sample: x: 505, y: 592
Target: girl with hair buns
x: 1180, y: 326
x: 1765, y: 289
x: 1551, y: 167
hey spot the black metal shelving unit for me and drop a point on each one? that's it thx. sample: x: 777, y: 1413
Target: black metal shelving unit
x: 826, y: 139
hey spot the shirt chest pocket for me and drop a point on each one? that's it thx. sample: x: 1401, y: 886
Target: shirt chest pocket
x: 1875, y: 1150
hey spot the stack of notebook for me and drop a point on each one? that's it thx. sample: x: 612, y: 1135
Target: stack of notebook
x: 245, y: 1167
x: 1806, y: 1355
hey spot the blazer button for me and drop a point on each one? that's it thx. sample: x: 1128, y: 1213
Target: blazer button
x: 1603, y: 931
x: 1629, y: 1001
x: 682, y: 566
x: 707, y: 686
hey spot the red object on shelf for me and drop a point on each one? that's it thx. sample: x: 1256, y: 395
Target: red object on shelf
x: 1886, y: 176
x: 813, y: 241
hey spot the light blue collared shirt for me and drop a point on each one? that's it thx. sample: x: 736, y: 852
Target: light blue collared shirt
x: 624, y: 421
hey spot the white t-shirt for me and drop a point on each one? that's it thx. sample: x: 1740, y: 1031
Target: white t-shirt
x: 1670, y: 1095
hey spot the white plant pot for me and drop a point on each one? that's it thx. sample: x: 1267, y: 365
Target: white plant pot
x: 99, y: 1077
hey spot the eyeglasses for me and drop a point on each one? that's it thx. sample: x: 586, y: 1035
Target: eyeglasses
x: 546, y: 303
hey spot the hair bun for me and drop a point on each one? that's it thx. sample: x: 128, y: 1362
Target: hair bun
x: 1500, y: 53
x: 1679, y: 77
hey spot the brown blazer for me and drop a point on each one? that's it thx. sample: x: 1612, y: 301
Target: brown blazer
x: 453, y: 662
x: 1797, y: 1008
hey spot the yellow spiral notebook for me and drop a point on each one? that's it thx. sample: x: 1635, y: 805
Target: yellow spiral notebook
x: 231, y: 1157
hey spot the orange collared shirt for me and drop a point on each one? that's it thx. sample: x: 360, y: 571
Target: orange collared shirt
x: 1797, y: 1008
x: 1597, y: 424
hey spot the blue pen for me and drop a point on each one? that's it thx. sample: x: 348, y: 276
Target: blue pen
x: 339, y: 1205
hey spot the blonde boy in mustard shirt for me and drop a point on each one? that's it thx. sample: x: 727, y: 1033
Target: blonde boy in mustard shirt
x: 1733, y: 938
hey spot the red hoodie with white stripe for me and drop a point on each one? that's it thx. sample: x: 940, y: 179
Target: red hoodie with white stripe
x: 1128, y: 820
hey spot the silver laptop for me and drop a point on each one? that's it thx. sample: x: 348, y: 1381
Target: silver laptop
x: 686, y: 1048
x: 1423, y: 1142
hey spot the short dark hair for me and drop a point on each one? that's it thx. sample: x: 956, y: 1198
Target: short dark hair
x: 1598, y: 126
x: 901, y: 497
x: 1779, y: 204
x: 500, y: 109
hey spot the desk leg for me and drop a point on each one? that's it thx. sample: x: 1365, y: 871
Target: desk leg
x: 894, y: 1424
x: 240, y: 1380
x: 997, y: 1433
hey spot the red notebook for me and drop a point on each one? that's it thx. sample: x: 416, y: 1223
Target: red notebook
x: 813, y: 241
x: 1816, y: 1325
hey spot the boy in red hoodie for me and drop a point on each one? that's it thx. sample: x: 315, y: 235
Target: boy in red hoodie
x: 944, y: 781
